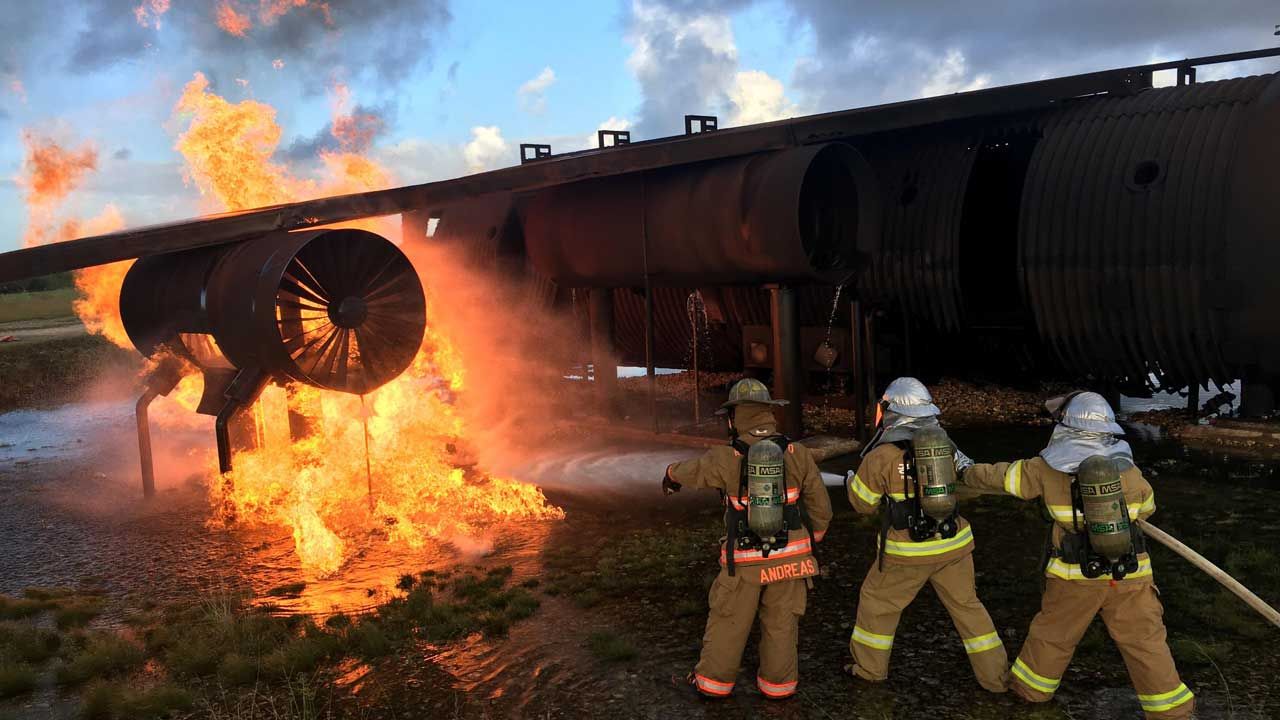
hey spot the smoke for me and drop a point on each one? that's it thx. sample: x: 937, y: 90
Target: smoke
x: 848, y: 54
x: 685, y: 58
x: 382, y: 42
x: 871, y: 52
x: 514, y: 352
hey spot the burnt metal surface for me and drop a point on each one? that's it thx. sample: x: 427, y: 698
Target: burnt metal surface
x: 1122, y: 238
x: 790, y: 216
x: 571, y: 167
x: 337, y: 309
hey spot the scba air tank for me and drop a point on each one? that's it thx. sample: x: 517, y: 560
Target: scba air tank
x: 935, y: 465
x: 1105, y: 515
x: 766, y: 472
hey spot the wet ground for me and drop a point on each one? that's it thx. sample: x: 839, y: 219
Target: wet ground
x: 73, y: 515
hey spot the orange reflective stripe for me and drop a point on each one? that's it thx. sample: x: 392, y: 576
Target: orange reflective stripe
x: 712, y: 687
x: 817, y: 536
x: 776, y: 690
x: 791, y: 549
x: 793, y: 496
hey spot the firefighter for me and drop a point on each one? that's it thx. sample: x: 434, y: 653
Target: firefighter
x: 776, y: 509
x: 1096, y: 562
x: 922, y: 537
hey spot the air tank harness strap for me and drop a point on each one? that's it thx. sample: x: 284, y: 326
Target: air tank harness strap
x: 896, y: 514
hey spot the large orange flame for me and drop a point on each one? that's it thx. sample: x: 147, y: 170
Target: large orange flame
x: 50, y: 173
x: 414, y: 451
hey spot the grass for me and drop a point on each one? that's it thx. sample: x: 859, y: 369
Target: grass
x: 111, y: 701
x: 76, y: 612
x: 18, y: 608
x: 611, y: 647
x: 47, y: 305
x: 16, y: 679
x: 21, y: 642
x: 44, y: 374
x: 100, y: 655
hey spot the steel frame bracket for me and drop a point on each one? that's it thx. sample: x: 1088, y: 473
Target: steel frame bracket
x: 620, y: 137
x: 694, y: 124
x: 530, y: 152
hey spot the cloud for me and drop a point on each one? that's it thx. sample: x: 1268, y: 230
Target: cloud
x: 533, y: 93
x: 593, y: 140
x: 684, y: 57
x: 371, y: 41
x: 487, y: 150
x: 757, y: 97
x: 875, y: 51
x: 122, y: 154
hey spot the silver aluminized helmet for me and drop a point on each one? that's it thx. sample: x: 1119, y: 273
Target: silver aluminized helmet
x: 1087, y: 411
x: 908, y: 396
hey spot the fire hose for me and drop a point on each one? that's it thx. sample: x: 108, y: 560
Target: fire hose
x: 1213, y: 571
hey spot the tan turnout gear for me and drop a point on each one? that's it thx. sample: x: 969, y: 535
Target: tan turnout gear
x: 1130, y: 608
x: 886, y: 592
x: 773, y: 587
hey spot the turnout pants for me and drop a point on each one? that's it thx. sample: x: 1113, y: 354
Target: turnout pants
x: 885, y: 594
x: 735, y: 603
x: 1135, y: 620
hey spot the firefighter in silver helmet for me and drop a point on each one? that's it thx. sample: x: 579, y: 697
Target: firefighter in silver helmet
x: 907, y: 474
x: 776, y: 509
x: 1097, y: 563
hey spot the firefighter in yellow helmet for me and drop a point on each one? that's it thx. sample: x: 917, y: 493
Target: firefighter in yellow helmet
x: 776, y: 509
x: 907, y: 474
x: 1097, y: 563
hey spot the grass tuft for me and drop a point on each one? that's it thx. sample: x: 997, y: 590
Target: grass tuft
x: 27, y: 643
x: 610, y: 647
x: 76, y: 612
x: 105, y: 701
x: 102, y: 655
x: 16, y: 679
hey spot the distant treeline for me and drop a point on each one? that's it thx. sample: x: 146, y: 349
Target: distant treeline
x: 57, y: 281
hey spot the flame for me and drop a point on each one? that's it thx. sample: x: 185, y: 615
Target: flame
x: 50, y: 173
x: 148, y: 12
x: 235, y: 21
x: 317, y: 486
x: 231, y: 20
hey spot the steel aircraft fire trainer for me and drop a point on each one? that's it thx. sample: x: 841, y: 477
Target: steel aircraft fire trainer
x: 1093, y: 227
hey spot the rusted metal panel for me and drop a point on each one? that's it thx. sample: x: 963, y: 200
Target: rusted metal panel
x: 571, y: 167
x: 789, y: 216
x: 1123, y: 215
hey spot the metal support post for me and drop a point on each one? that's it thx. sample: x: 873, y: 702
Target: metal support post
x: 788, y: 382
x: 600, y: 311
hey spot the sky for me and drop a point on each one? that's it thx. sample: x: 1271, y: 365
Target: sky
x: 454, y: 86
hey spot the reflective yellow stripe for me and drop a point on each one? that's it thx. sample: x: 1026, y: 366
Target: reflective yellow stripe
x: 1034, y: 680
x: 872, y: 640
x: 900, y: 497
x: 1148, y: 505
x: 1013, y: 479
x: 1166, y: 701
x: 1066, y: 571
x: 982, y: 643
x: 1062, y: 513
x: 929, y: 547
x: 866, y: 494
